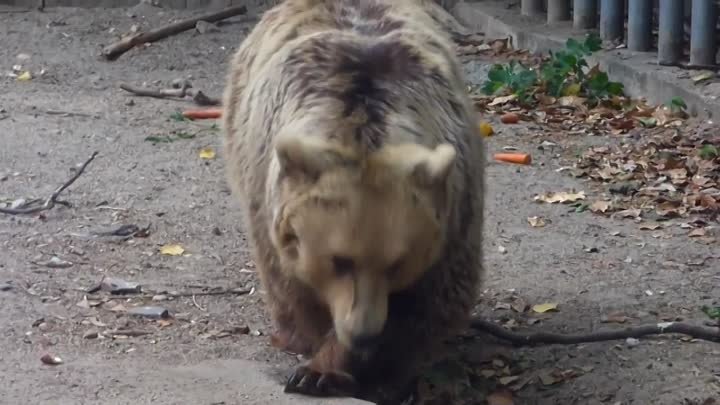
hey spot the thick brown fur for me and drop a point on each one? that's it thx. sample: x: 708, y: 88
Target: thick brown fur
x: 351, y: 143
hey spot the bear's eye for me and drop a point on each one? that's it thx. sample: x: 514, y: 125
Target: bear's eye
x: 393, y: 270
x: 289, y: 238
x: 343, y: 265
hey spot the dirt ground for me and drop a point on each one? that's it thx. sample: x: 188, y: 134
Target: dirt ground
x: 590, y: 266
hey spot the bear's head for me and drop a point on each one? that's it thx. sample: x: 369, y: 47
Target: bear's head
x: 356, y: 228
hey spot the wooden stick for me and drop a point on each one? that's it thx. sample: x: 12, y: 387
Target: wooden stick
x: 161, y: 93
x: 113, y: 51
x: 198, y: 96
x: 694, y: 331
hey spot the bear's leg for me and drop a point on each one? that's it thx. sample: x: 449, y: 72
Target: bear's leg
x: 326, y: 374
x: 301, y: 322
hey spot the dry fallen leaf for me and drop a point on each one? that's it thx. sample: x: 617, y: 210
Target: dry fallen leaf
x: 509, y: 379
x: 207, y: 153
x: 25, y: 76
x: 547, y: 377
x: 572, y: 90
x: 670, y: 209
x: 502, y: 100
x: 172, y: 250
x: 561, y: 197
x: 502, y: 397
x: 519, y: 305
x: 615, y: 317
x: 702, y: 77
x: 163, y: 323
x: 536, y: 222
x: 697, y: 232
x: 485, y: 129
x: 542, y: 308
x: 629, y: 213
x: 600, y: 206
x: 650, y: 226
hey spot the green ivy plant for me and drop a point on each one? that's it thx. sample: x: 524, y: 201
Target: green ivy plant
x: 565, y: 72
x: 513, y: 78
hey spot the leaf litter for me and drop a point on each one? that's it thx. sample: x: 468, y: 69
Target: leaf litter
x: 662, y: 169
x: 671, y: 177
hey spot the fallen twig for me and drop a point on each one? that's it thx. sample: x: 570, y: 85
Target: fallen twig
x: 161, y: 93
x: 129, y: 332
x: 234, y: 291
x: 70, y: 113
x: 694, y: 331
x: 52, y: 199
x: 198, y: 96
x: 196, y: 303
x: 114, y: 51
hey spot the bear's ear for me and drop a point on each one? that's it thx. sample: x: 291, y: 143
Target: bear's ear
x: 308, y: 155
x: 432, y: 167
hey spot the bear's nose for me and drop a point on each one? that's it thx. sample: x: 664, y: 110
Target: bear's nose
x: 365, y: 341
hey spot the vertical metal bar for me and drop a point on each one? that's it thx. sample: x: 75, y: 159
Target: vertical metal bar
x: 702, y: 35
x: 558, y: 10
x: 585, y: 14
x: 640, y: 25
x: 670, y: 32
x: 531, y: 7
x: 612, y: 18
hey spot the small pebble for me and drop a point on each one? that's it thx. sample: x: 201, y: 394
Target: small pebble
x: 56, y: 263
x: 5, y: 287
x: 204, y: 27
x: 91, y: 334
x: 119, y: 286
x: 632, y: 342
x: 51, y: 360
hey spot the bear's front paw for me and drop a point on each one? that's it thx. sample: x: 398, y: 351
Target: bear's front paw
x: 307, y: 381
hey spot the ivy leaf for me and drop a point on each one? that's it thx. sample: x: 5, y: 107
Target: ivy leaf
x: 593, y: 43
x: 712, y: 312
x: 615, y: 88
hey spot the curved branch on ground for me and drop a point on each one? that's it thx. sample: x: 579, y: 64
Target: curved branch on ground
x: 49, y: 202
x: 698, y: 332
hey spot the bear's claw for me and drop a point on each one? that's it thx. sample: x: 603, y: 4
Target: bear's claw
x: 307, y: 381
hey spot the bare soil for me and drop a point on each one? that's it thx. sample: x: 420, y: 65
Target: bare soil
x: 589, y: 265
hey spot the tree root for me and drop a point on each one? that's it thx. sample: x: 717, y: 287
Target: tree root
x: 711, y: 334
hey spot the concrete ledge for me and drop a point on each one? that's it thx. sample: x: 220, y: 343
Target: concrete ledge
x: 251, y: 383
x: 172, y: 4
x: 638, y: 71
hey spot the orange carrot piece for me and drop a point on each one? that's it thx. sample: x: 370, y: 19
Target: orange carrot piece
x: 519, y: 158
x: 207, y: 113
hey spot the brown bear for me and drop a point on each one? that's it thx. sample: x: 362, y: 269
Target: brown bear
x: 351, y: 143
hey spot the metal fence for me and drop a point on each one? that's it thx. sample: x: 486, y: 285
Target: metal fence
x: 664, y: 26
